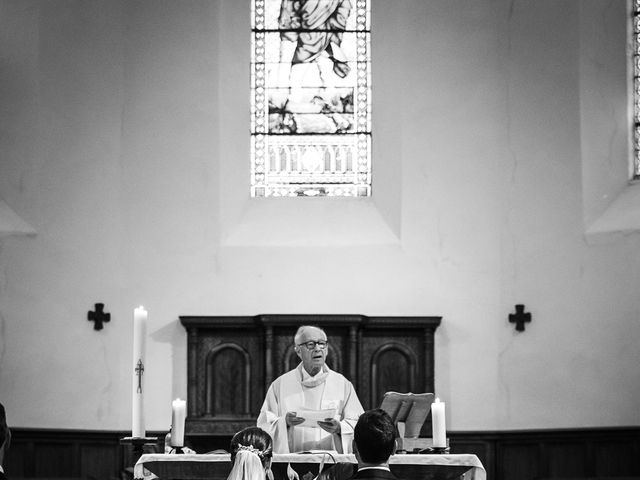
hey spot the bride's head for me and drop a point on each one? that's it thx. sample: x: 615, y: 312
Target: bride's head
x: 251, y: 452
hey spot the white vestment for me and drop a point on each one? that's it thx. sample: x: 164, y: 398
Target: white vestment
x: 288, y: 394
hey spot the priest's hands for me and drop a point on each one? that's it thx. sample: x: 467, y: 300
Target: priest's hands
x: 330, y: 425
x: 292, y: 419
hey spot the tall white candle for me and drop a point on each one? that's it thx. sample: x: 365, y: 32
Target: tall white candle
x: 178, y: 415
x: 438, y: 424
x: 139, y: 340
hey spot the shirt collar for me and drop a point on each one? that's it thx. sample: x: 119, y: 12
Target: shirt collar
x: 310, y: 382
x: 380, y: 467
x: 305, y: 375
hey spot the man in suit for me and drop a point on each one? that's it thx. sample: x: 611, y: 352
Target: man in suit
x: 374, y: 441
x: 5, y: 439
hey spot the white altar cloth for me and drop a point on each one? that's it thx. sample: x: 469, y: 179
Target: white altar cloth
x: 193, y: 466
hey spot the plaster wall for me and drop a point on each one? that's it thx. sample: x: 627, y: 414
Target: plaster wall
x: 124, y: 142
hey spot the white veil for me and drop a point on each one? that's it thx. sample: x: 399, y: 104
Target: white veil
x: 247, y: 466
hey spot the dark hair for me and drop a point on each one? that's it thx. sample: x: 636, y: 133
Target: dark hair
x: 252, y: 437
x: 375, y: 436
x: 5, y: 433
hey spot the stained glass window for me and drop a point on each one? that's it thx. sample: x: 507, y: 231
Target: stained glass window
x: 310, y: 98
x: 636, y: 88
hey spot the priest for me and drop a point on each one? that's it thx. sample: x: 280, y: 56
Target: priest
x: 310, y: 387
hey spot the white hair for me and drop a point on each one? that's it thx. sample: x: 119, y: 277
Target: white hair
x: 300, y: 331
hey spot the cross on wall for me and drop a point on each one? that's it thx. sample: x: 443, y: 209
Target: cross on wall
x: 520, y: 317
x: 99, y: 316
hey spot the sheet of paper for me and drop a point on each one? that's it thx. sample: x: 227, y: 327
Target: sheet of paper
x: 312, y: 417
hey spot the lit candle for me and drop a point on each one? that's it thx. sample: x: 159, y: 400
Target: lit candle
x: 139, y: 337
x: 178, y: 415
x: 438, y: 424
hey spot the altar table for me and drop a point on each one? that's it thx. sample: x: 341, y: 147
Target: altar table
x: 217, y: 466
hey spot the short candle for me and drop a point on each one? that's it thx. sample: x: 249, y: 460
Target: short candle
x: 438, y: 424
x: 178, y: 415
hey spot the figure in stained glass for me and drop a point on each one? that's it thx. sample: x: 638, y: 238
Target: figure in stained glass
x: 316, y: 28
x: 311, y: 62
x: 311, y: 117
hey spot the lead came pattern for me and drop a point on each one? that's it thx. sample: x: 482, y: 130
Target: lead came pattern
x: 310, y: 124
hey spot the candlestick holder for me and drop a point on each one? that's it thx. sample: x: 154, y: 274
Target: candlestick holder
x: 138, y: 443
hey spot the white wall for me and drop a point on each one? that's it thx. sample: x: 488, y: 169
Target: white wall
x: 124, y: 143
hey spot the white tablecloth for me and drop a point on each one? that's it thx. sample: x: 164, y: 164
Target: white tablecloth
x: 476, y: 470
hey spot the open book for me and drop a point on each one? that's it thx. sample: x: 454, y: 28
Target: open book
x: 410, y: 408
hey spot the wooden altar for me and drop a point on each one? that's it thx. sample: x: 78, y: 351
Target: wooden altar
x: 307, y: 466
x: 231, y: 361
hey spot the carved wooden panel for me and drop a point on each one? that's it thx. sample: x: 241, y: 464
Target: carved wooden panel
x: 566, y: 459
x: 96, y: 459
x: 396, y: 355
x: 616, y: 457
x: 63, y: 455
x: 393, y: 369
x: 520, y: 461
x: 232, y: 361
x: 227, y: 383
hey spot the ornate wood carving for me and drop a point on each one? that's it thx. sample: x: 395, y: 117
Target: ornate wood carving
x: 228, y: 381
x: 393, y: 369
x: 232, y: 360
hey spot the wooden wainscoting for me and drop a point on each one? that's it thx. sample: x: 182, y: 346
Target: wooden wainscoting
x: 70, y: 454
x: 590, y: 453
x: 594, y: 453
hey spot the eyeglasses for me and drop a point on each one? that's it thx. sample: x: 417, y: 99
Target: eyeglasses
x: 312, y: 345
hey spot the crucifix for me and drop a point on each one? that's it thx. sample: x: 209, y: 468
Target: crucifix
x: 520, y: 318
x: 139, y: 371
x: 99, y: 316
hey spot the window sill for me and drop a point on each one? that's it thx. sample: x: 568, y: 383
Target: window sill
x: 11, y: 223
x: 620, y: 219
x: 310, y: 222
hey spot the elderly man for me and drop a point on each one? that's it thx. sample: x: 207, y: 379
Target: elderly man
x: 310, y: 387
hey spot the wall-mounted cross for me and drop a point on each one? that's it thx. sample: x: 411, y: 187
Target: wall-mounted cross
x: 520, y: 318
x: 99, y: 316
